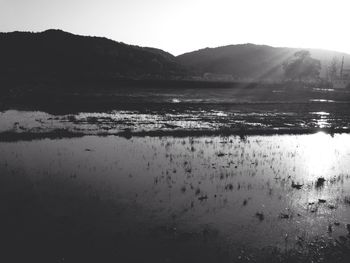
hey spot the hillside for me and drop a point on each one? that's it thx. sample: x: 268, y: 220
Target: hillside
x: 249, y: 60
x: 57, y: 54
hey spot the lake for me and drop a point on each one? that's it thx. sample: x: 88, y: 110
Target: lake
x: 168, y: 175
x: 169, y: 198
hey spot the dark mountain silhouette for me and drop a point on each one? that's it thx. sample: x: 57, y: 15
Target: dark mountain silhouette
x: 249, y: 60
x: 57, y: 54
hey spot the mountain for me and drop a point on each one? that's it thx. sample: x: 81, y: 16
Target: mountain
x: 57, y: 54
x: 249, y: 61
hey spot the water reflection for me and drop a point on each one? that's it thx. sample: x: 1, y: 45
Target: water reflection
x: 322, y: 120
x: 260, y: 191
x: 252, y: 117
x: 322, y: 153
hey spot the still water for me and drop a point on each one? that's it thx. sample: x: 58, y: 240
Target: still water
x: 185, y: 196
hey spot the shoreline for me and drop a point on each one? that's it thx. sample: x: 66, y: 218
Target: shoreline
x: 13, y: 136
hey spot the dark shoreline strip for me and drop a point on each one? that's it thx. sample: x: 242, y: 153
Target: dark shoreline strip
x: 140, y: 105
x: 10, y: 136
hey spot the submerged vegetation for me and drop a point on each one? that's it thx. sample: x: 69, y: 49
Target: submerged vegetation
x: 232, y: 197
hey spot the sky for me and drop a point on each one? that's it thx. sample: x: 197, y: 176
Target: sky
x: 180, y: 26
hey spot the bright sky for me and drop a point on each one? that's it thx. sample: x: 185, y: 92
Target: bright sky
x: 179, y: 26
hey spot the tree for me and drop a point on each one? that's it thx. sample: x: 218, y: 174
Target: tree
x: 302, y: 66
x: 333, y: 68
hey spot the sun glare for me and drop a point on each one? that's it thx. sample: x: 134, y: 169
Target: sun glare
x: 320, y: 154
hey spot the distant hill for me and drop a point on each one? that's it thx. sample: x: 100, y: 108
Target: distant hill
x: 249, y: 60
x: 58, y: 54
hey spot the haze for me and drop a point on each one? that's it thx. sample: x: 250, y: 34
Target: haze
x: 184, y: 25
